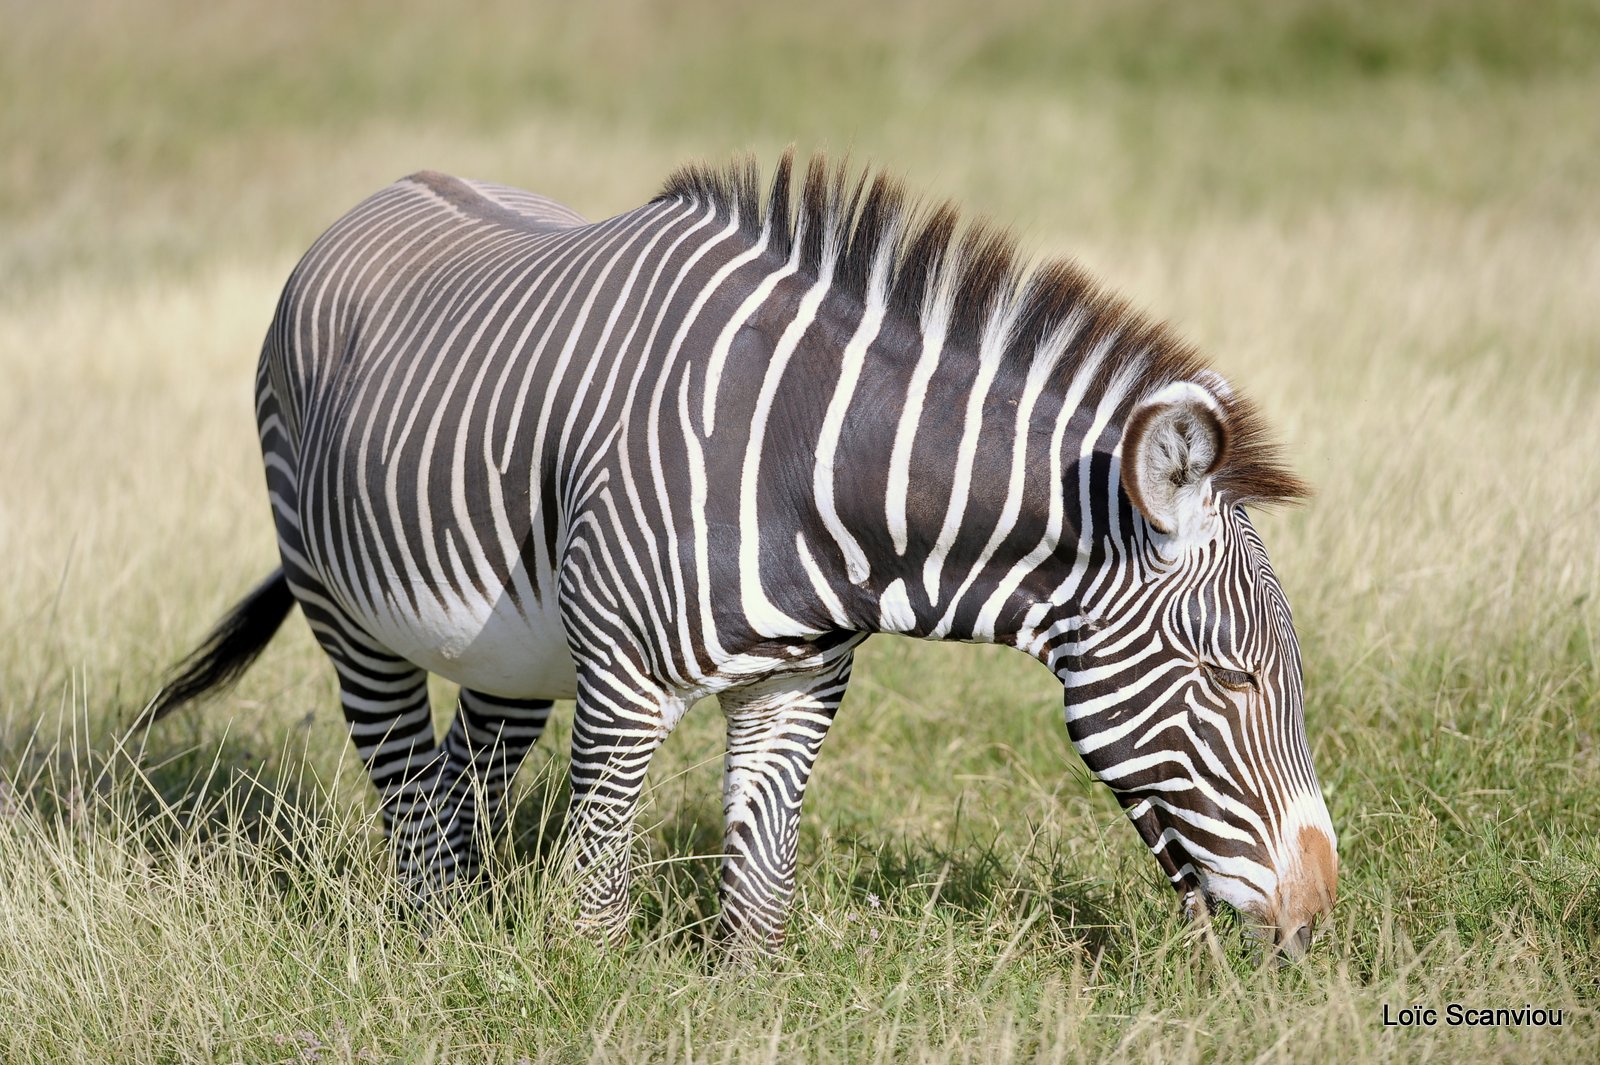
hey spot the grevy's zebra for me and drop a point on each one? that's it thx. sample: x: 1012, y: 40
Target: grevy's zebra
x: 707, y: 447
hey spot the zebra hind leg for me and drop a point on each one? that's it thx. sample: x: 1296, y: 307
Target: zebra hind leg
x: 387, y: 712
x: 487, y: 742
x: 386, y: 708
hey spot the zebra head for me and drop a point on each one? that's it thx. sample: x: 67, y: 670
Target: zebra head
x: 1183, y: 682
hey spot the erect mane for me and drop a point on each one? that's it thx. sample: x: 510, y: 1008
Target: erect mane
x: 925, y: 264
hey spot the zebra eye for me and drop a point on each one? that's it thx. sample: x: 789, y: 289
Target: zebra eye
x: 1236, y: 679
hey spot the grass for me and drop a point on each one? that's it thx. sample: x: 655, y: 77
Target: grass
x: 1379, y: 218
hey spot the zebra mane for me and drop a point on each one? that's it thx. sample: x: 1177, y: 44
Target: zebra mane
x: 968, y: 279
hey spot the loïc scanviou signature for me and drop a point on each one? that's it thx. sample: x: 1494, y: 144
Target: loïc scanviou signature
x: 1456, y: 1015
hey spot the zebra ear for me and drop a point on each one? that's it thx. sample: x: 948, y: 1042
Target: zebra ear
x: 1173, y: 442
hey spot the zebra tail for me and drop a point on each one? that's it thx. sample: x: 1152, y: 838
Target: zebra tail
x: 233, y: 645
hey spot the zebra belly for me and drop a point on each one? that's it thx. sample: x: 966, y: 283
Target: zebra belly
x: 494, y: 647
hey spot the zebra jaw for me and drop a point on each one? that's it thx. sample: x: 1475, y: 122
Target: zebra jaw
x: 1195, y: 900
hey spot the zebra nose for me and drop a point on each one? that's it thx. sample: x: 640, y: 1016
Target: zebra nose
x: 1293, y: 944
x: 1305, y: 895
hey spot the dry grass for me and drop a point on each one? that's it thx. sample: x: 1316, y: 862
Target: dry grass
x: 1382, y: 224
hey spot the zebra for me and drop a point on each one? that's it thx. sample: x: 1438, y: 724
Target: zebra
x: 706, y: 448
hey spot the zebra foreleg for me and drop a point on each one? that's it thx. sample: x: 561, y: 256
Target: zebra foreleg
x: 774, y: 734
x: 616, y: 730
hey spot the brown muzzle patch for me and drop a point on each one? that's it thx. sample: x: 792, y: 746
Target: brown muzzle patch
x: 1309, y: 889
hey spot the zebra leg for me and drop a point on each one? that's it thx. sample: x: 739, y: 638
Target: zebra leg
x: 385, y: 703
x: 386, y: 710
x: 431, y: 793
x: 487, y: 743
x: 615, y: 732
x: 774, y: 733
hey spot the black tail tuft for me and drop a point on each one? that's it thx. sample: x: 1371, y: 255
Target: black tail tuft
x: 235, y: 643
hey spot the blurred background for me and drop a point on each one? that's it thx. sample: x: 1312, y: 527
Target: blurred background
x: 1380, y: 219
x: 155, y: 136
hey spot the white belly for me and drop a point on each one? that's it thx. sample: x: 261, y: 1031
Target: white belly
x: 494, y: 648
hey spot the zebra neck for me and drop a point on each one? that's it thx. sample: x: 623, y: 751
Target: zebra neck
x: 954, y: 496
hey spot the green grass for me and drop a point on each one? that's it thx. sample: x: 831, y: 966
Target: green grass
x: 1379, y: 218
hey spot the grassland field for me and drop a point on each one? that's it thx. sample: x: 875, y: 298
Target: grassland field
x: 1382, y: 220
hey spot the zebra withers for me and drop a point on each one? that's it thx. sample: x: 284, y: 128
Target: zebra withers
x: 707, y: 447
